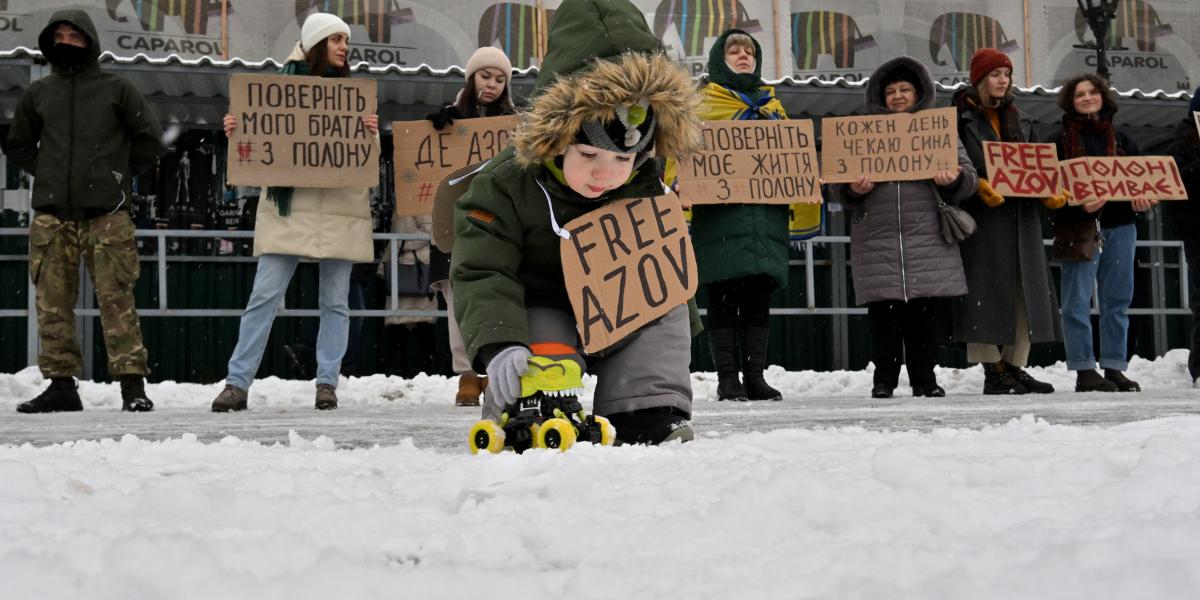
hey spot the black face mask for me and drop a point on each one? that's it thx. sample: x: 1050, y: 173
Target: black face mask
x: 66, y: 55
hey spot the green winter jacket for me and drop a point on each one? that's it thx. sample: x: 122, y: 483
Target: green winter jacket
x: 506, y: 253
x: 83, y: 133
x: 733, y: 241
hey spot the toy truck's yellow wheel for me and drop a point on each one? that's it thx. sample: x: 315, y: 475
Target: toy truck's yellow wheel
x: 608, y: 433
x: 486, y: 435
x: 555, y: 433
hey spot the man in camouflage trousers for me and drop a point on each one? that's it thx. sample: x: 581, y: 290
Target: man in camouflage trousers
x: 83, y: 134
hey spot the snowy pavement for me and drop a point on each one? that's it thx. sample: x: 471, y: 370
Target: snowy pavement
x: 442, y: 426
x: 824, y: 495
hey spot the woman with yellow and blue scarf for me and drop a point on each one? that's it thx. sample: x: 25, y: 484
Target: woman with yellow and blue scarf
x: 741, y: 249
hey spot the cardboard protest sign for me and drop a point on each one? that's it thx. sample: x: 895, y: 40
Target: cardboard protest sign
x: 449, y: 190
x: 625, y: 265
x: 424, y: 156
x: 302, y: 131
x: 753, y: 162
x: 1023, y: 170
x: 1092, y: 178
x: 892, y: 147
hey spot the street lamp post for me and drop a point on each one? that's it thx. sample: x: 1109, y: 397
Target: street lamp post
x: 1099, y: 15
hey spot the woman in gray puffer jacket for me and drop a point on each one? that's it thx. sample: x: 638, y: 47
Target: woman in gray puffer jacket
x: 900, y: 263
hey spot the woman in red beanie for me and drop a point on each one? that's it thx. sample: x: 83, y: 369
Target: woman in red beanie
x: 1010, y: 302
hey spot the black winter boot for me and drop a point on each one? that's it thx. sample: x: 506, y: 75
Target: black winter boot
x: 754, y: 345
x: 652, y: 426
x: 998, y: 380
x: 928, y: 390
x: 723, y: 345
x: 1032, y: 385
x: 1088, y: 380
x: 133, y: 394
x: 61, y: 396
x: 1123, y: 383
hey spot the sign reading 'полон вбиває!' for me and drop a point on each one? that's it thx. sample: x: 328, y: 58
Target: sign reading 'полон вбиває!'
x: 302, y: 131
x: 1093, y: 178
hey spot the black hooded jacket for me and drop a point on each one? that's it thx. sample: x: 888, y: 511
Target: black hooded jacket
x: 1186, y: 150
x: 83, y: 133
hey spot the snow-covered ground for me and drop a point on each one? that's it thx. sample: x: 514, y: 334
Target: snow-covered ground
x: 824, y: 495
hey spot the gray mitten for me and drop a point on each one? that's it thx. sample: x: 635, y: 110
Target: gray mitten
x: 504, y: 376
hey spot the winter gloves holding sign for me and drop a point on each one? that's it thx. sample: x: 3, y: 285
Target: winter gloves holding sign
x: 994, y: 199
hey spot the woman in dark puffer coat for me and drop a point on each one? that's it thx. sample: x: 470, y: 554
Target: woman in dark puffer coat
x: 901, y: 264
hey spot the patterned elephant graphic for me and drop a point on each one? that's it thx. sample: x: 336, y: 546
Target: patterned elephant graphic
x: 696, y: 20
x: 824, y: 32
x: 378, y: 16
x: 517, y: 29
x: 152, y: 14
x: 1135, y: 19
x: 964, y: 34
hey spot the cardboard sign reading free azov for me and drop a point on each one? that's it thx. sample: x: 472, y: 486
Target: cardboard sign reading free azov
x: 1023, y: 170
x: 625, y: 265
x: 302, y: 131
x: 424, y: 156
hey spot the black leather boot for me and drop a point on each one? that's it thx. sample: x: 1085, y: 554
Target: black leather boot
x: 1123, y: 383
x: 1088, y: 380
x: 133, y: 394
x: 754, y: 346
x: 723, y: 345
x: 997, y: 379
x: 61, y: 396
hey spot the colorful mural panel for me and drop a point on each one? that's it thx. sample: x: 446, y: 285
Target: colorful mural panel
x: 1155, y: 44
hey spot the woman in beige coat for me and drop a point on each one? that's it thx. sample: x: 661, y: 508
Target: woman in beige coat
x: 330, y: 225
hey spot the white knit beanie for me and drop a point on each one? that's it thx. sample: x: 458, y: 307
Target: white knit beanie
x: 489, y: 56
x: 319, y: 26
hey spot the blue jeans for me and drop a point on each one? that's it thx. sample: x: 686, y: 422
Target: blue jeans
x: 1111, y: 269
x: 270, y: 283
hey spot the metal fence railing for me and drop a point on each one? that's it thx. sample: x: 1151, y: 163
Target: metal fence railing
x: 810, y: 263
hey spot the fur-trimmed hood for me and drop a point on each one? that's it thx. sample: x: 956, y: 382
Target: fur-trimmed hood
x: 926, y: 90
x: 592, y: 93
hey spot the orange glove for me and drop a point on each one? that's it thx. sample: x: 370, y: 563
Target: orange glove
x: 988, y: 195
x: 1057, y: 201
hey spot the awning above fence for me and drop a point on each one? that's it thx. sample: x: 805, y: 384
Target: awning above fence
x: 194, y: 92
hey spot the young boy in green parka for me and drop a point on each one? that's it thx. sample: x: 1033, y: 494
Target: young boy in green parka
x: 607, y: 102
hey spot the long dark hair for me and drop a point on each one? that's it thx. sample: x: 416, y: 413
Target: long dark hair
x: 318, y: 61
x: 468, y: 101
x: 1066, y: 96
